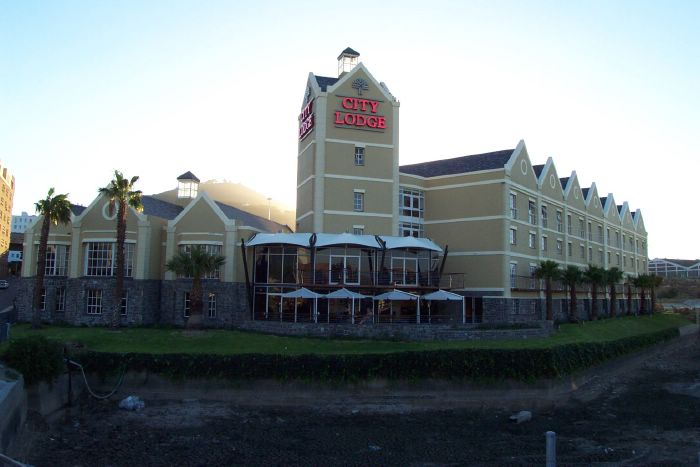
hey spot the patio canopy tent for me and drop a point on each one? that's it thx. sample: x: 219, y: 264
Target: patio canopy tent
x: 398, y: 295
x: 304, y: 293
x: 345, y: 294
x: 444, y: 295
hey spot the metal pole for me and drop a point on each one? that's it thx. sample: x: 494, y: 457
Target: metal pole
x: 551, y: 438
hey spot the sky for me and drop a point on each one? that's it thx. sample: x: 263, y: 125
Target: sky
x: 609, y: 89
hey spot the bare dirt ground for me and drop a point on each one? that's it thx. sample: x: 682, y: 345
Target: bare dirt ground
x: 643, y: 411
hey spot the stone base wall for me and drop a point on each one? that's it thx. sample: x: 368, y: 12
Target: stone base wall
x: 231, y: 303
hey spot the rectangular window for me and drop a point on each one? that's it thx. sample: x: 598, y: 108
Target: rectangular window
x: 582, y: 228
x: 56, y: 260
x: 624, y: 260
x: 544, y: 243
x: 600, y: 256
x: 533, y: 279
x: 590, y: 232
x: 124, y: 304
x: 513, y: 275
x: 94, y: 301
x: 211, y: 305
x: 607, y: 238
x: 42, y: 306
x: 60, y: 299
x: 358, y: 201
x: 411, y: 203
x: 513, y: 236
x: 101, y: 259
x: 543, y: 215
x: 359, y: 156
x: 600, y: 234
x: 590, y: 254
x: 513, y: 206
x: 560, y: 225
x: 617, y: 239
x: 209, y: 249
x: 609, y: 257
x: 532, y: 240
x: 560, y: 247
x: 531, y: 213
x: 617, y: 258
x: 186, y: 307
x: 568, y: 223
x: 569, y: 250
x: 358, y: 230
x: 411, y: 229
x: 582, y: 251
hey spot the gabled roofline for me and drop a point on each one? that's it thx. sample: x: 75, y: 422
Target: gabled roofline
x: 79, y: 219
x: 313, y: 84
x: 637, y: 218
x: 610, y: 203
x: 592, y: 193
x: 207, y: 199
x: 513, y: 157
x: 570, y: 184
x: 545, y: 170
x: 349, y: 74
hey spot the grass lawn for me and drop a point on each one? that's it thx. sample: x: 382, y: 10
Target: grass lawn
x: 163, y: 341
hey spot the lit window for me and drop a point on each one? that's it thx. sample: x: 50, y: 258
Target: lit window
x: 359, y: 201
x: 94, y: 301
x: 359, y: 156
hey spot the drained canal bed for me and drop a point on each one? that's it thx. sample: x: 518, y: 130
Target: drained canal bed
x: 648, y: 415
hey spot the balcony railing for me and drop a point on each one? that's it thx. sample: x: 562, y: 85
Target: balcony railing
x: 399, y: 278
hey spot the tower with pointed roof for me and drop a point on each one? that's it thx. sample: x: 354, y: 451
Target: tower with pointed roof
x: 347, y: 166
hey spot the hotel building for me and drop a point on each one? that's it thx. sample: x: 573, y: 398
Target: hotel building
x: 366, y: 226
x: 7, y: 193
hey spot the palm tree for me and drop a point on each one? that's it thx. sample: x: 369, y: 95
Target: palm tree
x: 195, y: 264
x: 548, y: 270
x: 121, y: 193
x: 654, y: 282
x: 572, y: 276
x: 594, y: 275
x: 55, y: 209
x: 612, y: 277
x: 640, y: 282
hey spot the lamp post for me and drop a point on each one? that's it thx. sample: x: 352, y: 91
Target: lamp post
x: 269, y: 212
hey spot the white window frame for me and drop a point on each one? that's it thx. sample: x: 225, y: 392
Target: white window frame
x: 411, y: 229
x: 211, y: 305
x: 101, y: 259
x: 532, y: 240
x: 93, y: 301
x: 411, y: 203
x: 56, y: 260
x: 210, y: 248
x: 124, y: 304
x: 513, y: 204
x: 513, y: 236
x: 60, y: 299
x: 532, y: 212
x: 359, y: 156
x: 543, y: 242
x: 358, y: 204
x: 543, y: 215
x: 186, y: 305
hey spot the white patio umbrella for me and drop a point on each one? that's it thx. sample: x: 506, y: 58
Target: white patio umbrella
x: 399, y: 295
x: 304, y: 293
x: 346, y: 294
x: 445, y: 295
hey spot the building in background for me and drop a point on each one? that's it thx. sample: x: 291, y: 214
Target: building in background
x: 666, y: 267
x: 7, y: 194
x: 21, y: 222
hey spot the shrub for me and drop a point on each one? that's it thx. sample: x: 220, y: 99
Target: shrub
x: 36, y: 357
x: 458, y: 364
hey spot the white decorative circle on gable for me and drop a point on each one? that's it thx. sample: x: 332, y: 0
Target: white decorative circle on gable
x: 105, y: 212
x: 523, y: 167
x: 576, y: 192
x: 552, y: 181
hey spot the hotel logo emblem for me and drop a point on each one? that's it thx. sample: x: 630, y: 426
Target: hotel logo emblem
x: 361, y: 85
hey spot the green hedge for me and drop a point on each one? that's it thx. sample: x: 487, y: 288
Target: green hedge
x: 36, y: 357
x: 463, y: 364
